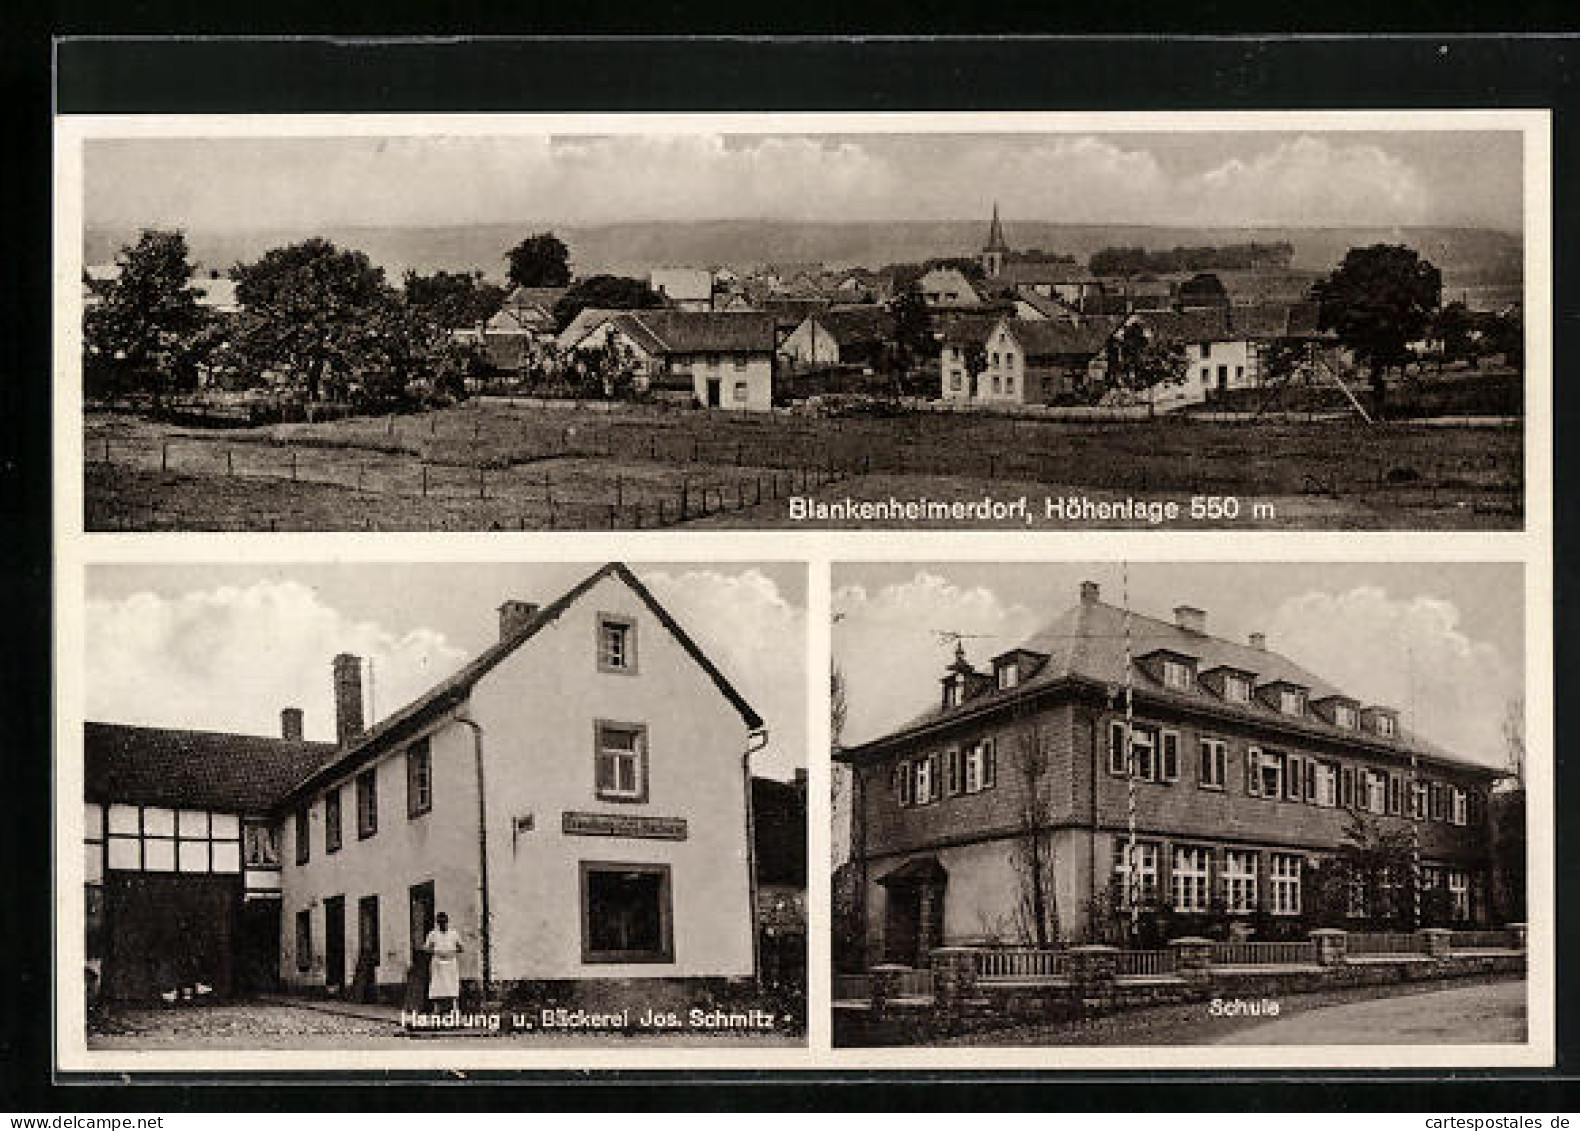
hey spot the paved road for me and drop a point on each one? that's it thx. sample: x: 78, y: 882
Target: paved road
x: 1492, y: 1013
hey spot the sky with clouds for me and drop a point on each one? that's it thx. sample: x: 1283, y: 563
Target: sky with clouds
x: 220, y: 647
x: 1220, y: 178
x: 1444, y: 643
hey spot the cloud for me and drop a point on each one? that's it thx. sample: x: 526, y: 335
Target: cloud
x: 1311, y: 181
x: 1302, y: 180
x: 758, y: 640
x: 1408, y: 653
x: 905, y: 624
x: 230, y: 658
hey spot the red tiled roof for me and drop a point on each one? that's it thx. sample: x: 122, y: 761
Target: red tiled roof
x: 238, y: 773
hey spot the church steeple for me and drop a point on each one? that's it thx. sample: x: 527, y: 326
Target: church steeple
x: 992, y: 255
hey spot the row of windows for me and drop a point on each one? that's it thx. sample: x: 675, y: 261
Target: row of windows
x: 1153, y: 754
x: 151, y: 838
x: 626, y: 916
x: 970, y: 769
x: 419, y: 800
x: 620, y: 773
x: 1195, y: 871
x: 1237, y: 688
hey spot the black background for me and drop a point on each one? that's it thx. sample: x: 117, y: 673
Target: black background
x: 1257, y: 72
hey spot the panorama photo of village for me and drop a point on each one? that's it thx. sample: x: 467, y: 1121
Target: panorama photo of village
x: 641, y: 331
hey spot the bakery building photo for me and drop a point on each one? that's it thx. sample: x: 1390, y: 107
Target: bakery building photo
x: 488, y: 788
x: 1160, y: 775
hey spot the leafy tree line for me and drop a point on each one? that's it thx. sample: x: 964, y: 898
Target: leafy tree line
x: 1141, y: 261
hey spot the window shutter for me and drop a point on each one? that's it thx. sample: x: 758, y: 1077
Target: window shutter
x: 1253, y: 772
x: 1116, y: 747
x: 1171, y: 756
x: 1347, y: 787
x: 904, y: 769
x: 1294, y: 783
x: 989, y: 762
x: 1311, y: 781
x: 952, y: 771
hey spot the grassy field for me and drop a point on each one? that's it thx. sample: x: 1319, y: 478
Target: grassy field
x: 494, y: 466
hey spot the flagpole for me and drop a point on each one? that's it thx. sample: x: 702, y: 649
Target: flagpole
x: 1132, y: 875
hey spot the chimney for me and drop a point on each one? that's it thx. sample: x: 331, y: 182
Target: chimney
x: 513, y: 617
x: 348, y: 697
x: 1258, y: 640
x: 291, y: 724
x: 1190, y: 619
x: 1090, y: 591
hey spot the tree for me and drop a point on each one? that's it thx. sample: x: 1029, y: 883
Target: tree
x: 1378, y: 300
x: 455, y: 300
x: 1141, y: 362
x: 913, y: 330
x: 540, y: 260
x: 975, y: 361
x: 1454, y: 327
x: 317, y: 312
x: 144, y: 323
x: 1032, y: 856
x: 1506, y: 335
x: 605, y: 292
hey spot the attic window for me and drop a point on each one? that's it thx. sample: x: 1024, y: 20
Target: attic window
x: 1385, y: 725
x: 616, y: 644
x: 1176, y: 675
x: 1237, y: 689
x: 1344, y: 716
x: 955, y: 691
x: 1008, y: 675
x: 1291, y: 701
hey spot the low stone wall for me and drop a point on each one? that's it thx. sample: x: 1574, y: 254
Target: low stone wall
x: 964, y: 1003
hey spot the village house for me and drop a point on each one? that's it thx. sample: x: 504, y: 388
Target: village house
x: 840, y: 336
x: 948, y: 288
x: 1225, y: 347
x: 1244, y: 769
x: 578, y: 798
x: 182, y: 855
x: 522, y: 325
x: 1025, y: 362
x: 714, y: 359
x: 683, y: 288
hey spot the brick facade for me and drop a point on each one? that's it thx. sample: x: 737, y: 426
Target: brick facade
x: 904, y: 817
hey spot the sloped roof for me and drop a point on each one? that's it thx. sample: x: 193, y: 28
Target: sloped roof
x: 682, y: 284
x: 1088, y: 643
x: 239, y: 773
x: 709, y: 331
x: 1059, y: 339
x: 1274, y: 320
x: 544, y: 298
x: 855, y: 325
x: 1185, y: 326
x: 453, y: 691
x: 965, y: 327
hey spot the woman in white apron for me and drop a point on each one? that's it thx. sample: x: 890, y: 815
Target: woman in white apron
x: 444, y: 966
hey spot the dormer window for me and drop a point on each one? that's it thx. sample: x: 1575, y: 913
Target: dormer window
x: 1237, y: 689
x: 1008, y: 676
x: 1291, y: 701
x: 1344, y: 716
x: 1385, y: 725
x: 955, y: 691
x: 1176, y: 675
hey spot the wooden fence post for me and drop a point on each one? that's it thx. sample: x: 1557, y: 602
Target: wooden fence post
x: 164, y: 456
x: 293, y: 465
x: 230, y: 465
